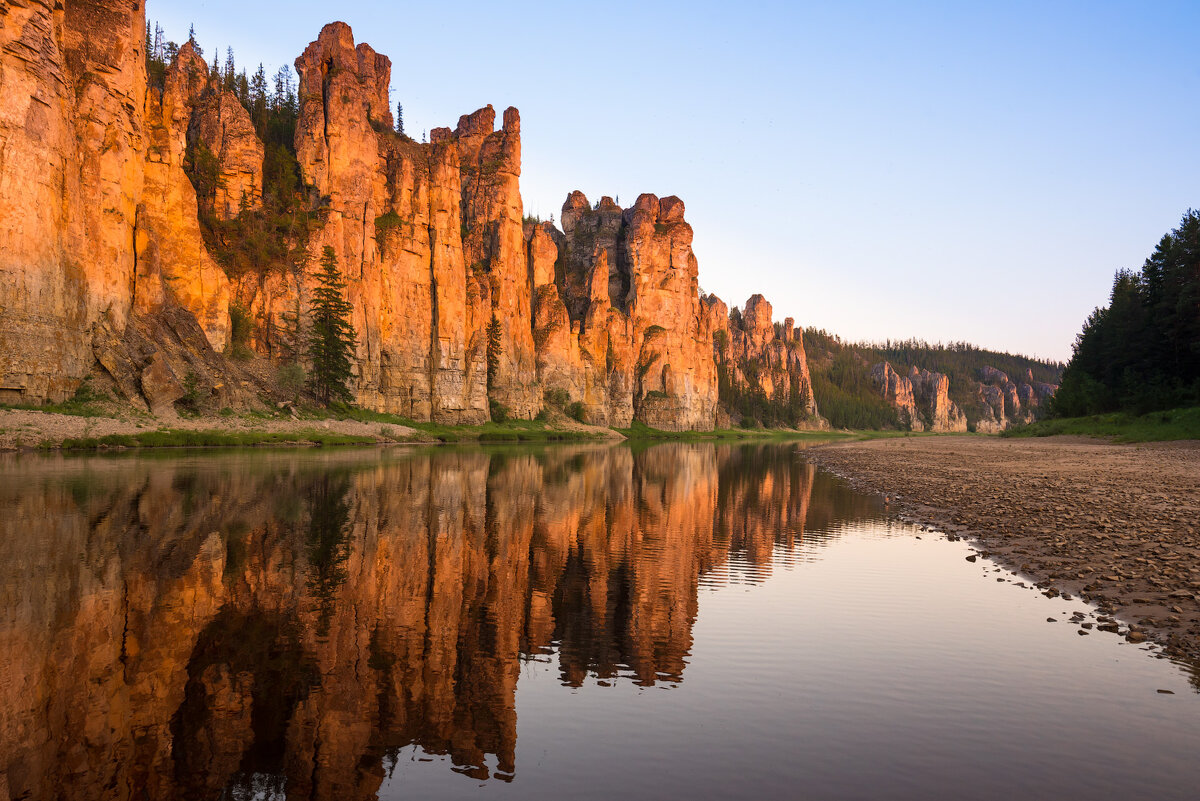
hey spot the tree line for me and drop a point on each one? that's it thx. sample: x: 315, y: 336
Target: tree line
x: 1141, y: 353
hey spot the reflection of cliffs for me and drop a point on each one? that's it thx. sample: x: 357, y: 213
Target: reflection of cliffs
x: 182, y: 627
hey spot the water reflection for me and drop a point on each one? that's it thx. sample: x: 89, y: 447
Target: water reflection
x: 261, y: 625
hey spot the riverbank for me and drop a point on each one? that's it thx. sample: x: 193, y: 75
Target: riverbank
x: 1117, y: 525
x: 108, y: 425
x: 113, y: 428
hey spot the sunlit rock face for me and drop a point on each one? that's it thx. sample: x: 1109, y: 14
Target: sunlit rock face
x: 620, y: 318
x: 70, y: 181
x: 98, y: 222
x: 177, y: 629
x: 174, y: 266
x: 761, y: 356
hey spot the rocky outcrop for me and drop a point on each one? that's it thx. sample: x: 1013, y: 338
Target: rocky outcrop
x: 1001, y: 403
x: 764, y: 364
x: 932, y: 394
x: 897, y: 390
x: 98, y: 222
x: 622, y: 312
x: 921, y: 399
x: 224, y: 126
x: 174, y: 266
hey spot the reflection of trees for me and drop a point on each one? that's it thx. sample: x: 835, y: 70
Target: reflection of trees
x: 238, y: 631
x: 246, y: 675
x: 327, y: 541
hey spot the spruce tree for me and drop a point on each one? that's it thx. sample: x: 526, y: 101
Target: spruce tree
x: 331, y: 337
x: 400, y: 118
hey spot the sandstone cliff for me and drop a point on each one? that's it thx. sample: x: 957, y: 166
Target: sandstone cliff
x: 99, y: 242
x: 921, y: 399
x: 463, y: 310
x: 764, y: 368
x: 618, y: 313
x: 1001, y: 402
x: 71, y: 145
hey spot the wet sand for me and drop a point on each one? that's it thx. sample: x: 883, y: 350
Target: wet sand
x: 1116, y: 525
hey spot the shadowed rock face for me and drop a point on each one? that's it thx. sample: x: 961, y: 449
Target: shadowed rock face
x: 921, y: 399
x: 173, y: 628
x: 1002, y: 402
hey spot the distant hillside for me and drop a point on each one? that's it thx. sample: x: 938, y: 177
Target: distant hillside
x: 849, y: 397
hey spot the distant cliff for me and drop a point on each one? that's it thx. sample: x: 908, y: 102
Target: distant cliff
x: 154, y: 224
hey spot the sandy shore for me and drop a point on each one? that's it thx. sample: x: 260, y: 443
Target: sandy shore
x: 1117, y: 525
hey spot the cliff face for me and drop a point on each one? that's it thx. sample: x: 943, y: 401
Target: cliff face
x: 921, y: 398
x: 224, y: 126
x: 1002, y: 402
x: 173, y: 264
x: 462, y: 310
x: 764, y: 362
x: 618, y: 313
x: 70, y: 178
x: 100, y: 249
x: 429, y: 238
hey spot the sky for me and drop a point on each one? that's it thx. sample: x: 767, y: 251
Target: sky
x: 953, y: 171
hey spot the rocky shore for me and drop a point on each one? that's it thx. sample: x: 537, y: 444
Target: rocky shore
x: 1115, y: 525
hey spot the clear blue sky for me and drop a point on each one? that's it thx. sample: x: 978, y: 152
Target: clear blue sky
x: 949, y: 171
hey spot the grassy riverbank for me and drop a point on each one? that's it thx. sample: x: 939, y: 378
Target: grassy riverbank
x: 1176, y: 424
x: 97, y: 423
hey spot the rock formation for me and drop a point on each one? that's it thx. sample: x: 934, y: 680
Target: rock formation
x: 71, y: 145
x: 764, y: 362
x: 618, y: 312
x: 1002, y: 402
x: 921, y: 399
x: 462, y: 310
x: 172, y: 261
x: 224, y: 126
x: 99, y: 239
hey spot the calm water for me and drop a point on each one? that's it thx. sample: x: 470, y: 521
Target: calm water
x: 680, y: 621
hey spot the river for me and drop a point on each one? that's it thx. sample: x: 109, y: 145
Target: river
x: 679, y: 620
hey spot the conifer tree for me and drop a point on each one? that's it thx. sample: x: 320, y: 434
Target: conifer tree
x: 331, y: 337
x: 400, y: 118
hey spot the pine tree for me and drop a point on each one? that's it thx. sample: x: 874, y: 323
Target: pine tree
x: 331, y: 339
x: 258, y: 102
x: 400, y: 118
x: 229, y: 76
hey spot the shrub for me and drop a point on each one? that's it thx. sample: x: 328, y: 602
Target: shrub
x: 499, y: 411
x: 190, y: 402
x: 556, y: 397
x: 240, y: 328
x: 576, y: 411
x: 291, y: 378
